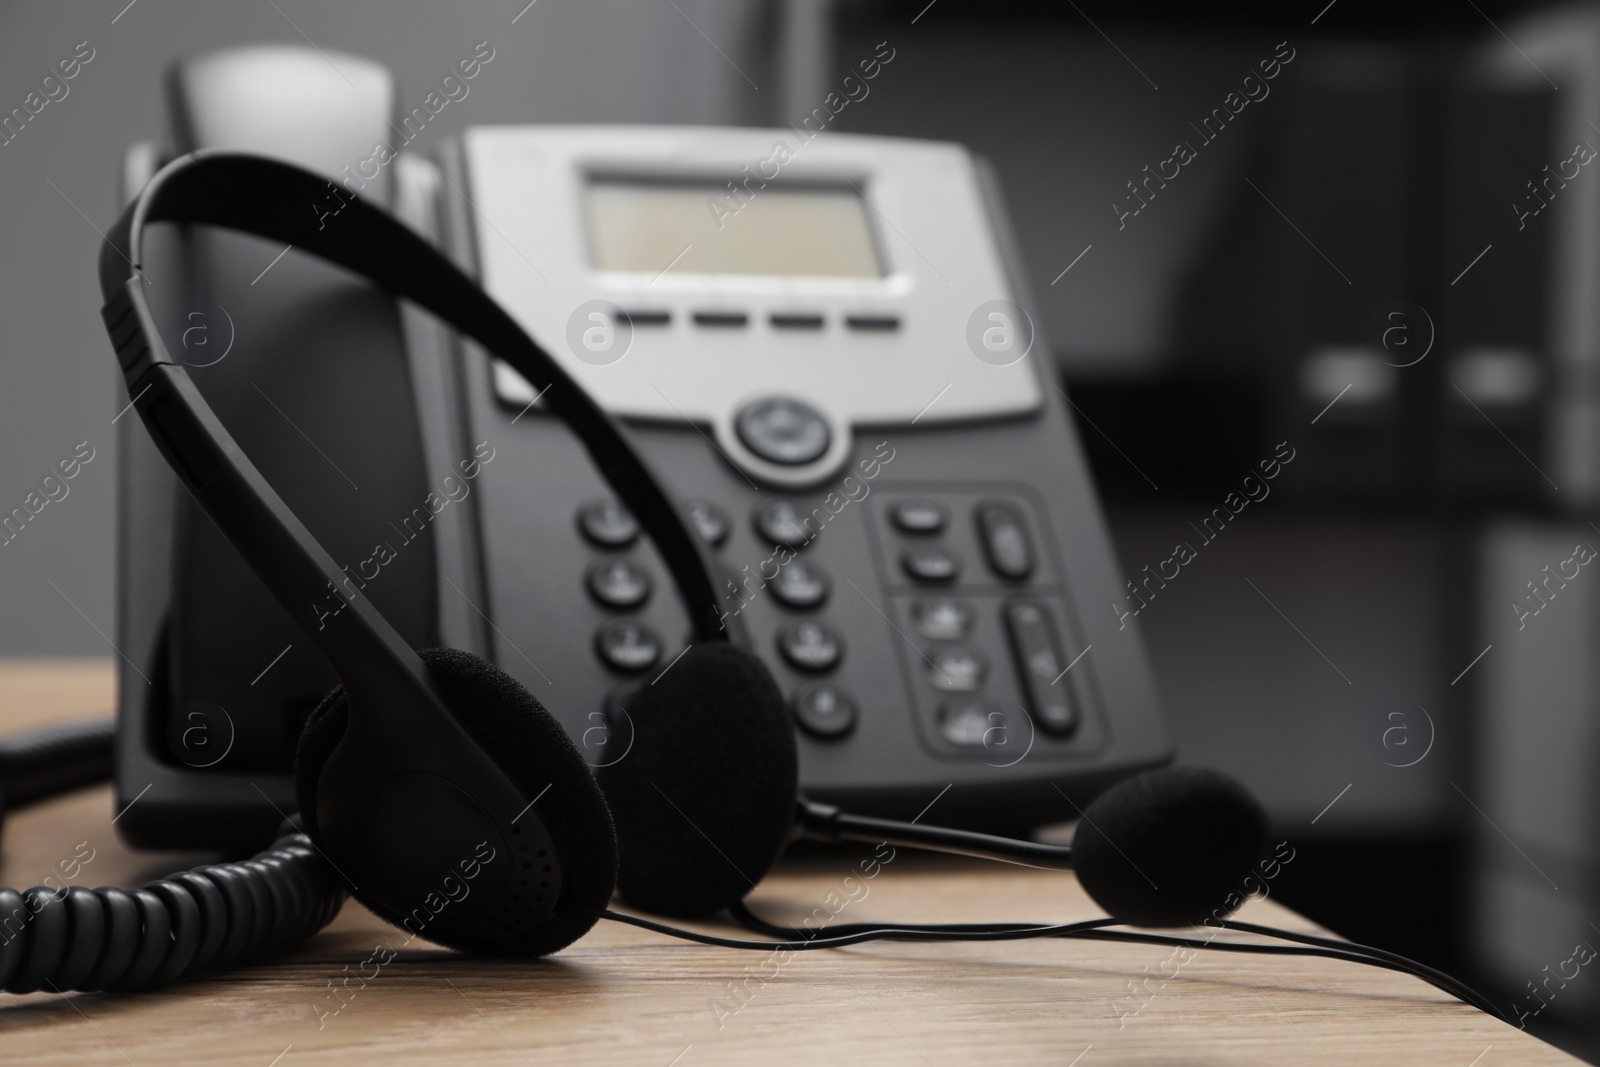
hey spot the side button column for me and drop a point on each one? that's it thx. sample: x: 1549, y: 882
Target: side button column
x: 1040, y: 666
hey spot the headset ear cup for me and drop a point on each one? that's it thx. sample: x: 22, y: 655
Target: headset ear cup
x: 321, y: 734
x: 506, y: 721
x: 705, y: 798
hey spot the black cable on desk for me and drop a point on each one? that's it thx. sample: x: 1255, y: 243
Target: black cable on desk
x: 71, y: 938
x: 55, y: 759
x: 1097, y: 930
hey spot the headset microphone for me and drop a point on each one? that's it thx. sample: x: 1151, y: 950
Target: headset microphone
x: 706, y: 800
x: 1162, y: 849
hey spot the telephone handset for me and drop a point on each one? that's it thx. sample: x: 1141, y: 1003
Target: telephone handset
x: 823, y: 346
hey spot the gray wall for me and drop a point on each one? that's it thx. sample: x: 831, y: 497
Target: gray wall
x: 597, y: 61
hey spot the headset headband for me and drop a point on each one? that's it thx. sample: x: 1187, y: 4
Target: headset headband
x: 283, y: 202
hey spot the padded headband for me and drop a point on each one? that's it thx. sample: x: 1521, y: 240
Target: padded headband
x: 283, y: 202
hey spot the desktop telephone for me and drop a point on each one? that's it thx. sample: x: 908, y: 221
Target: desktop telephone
x: 833, y: 372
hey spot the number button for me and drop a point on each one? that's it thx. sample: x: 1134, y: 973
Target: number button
x: 608, y: 524
x: 824, y: 711
x: 617, y: 583
x: 810, y: 646
x: 799, y: 586
x: 781, y: 523
x: 709, y: 522
x: 627, y: 647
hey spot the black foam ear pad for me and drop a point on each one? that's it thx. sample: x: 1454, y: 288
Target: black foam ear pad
x: 704, y: 799
x: 509, y: 723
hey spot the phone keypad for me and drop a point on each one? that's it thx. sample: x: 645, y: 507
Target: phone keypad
x: 989, y: 647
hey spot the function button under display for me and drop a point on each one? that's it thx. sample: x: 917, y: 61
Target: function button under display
x: 1005, y: 541
x: 709, y: 522
x: 810, y: 646
x: 956, y: 670
x: 720, y: 318
x: 617, y: 583
x: 942, y: 619
x: 917, y: 516
x: 608, y: 524
x: 627, y: 647
x: 650, y: 317
x: 781, y: 523
x: 824, y: 711
x: 931, y: 565
x: 1033, y: 640
x: 872, y: 321
x: 782, y: 430
x: 798, y: 585
x: 796, y: 320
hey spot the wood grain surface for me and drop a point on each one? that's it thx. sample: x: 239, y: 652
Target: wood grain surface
x: 624, y: 996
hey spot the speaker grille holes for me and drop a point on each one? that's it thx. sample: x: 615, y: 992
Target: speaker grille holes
x: 541, y: 853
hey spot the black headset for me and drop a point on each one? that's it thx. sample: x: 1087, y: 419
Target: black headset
x: 439, y: 792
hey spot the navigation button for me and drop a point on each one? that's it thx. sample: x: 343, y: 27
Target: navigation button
x: 782, y: 430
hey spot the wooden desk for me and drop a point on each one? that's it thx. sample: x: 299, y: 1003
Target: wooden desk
x: 622, y: 996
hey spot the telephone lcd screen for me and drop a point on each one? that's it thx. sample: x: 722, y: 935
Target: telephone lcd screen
x: 652, y: 227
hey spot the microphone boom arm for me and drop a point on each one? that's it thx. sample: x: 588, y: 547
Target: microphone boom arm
x: 824, y: 822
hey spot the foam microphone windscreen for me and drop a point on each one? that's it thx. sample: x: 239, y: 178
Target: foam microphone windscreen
x: 704, y: 799
x: 1167, y: 847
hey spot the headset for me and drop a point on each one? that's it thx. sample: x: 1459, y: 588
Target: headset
x: 442, y: 795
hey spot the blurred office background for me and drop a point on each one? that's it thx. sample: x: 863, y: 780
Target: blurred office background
x: 1363, y: 646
